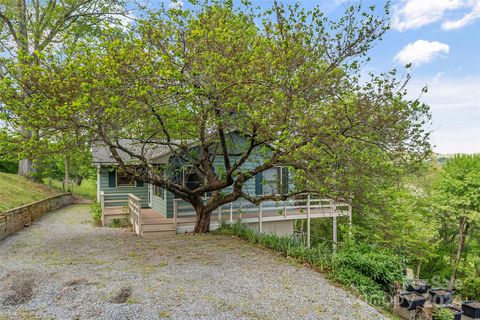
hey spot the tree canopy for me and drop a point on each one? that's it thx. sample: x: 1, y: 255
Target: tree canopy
x: 286, y: 79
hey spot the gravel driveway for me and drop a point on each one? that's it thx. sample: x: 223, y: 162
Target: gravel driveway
x: 62, y: 267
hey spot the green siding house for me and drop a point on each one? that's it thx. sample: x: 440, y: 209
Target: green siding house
x: 151, y: 209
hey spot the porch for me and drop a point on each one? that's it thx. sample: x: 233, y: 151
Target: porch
x: 150, y: 223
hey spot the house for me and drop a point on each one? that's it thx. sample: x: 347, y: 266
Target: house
x: 154, y: 211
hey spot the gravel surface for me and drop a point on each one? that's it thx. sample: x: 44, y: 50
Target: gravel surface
x: 61, y: 267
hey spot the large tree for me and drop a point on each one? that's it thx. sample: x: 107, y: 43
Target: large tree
x: 456, y: 201
x: 27, y: 30
x: 285, y: 79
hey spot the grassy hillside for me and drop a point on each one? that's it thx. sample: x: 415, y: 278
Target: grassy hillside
x: 87, y: 190
x: 16, y: 191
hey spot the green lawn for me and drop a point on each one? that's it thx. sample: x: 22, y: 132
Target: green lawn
x: 16, y: 191
x: 87, y: 190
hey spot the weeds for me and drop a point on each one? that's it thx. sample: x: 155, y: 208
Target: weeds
x: 96, y: 212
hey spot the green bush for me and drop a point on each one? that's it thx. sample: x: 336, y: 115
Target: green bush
x: 8, y: 166
x: 442, y: 313
x: 370, y: 270
x: 471, y: 288
x: 96, y: 212
x: 379, y: 264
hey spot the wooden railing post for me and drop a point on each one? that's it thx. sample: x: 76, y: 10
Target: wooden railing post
x: 334, y: 225
x: 350, y: 221
x: 231, y: 212
x: 102, y: 199
x: 219, y: 218
x: 175, y: 209
x: 308, y: 221
x: 139, y: 208
x: 260, y: 216
x: 102, y: 205
x: 285, y: 209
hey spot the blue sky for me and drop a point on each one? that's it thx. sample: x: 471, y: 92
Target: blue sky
x: 442, y: 40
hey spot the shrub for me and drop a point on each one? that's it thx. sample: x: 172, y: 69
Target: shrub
x: 368, y: 269
x: 471, y: 288
x: 379, y: 264
x: 8, y: 166
x: 442, y: 313
x: 96, y: 212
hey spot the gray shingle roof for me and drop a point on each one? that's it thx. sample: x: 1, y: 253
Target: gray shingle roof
x: 101, y: 153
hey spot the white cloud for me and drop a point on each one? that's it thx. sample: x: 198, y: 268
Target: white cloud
x: 420, y: 52
x: 467, y: 19
x: 413, y: 14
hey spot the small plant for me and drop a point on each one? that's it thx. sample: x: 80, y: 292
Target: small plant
x: 116, y: 223
x: 442, y: 313
x: 96, y: 212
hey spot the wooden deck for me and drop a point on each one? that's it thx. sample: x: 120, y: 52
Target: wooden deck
x: 151, y: 224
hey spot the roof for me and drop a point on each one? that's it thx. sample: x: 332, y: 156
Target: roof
x: 156, y: 153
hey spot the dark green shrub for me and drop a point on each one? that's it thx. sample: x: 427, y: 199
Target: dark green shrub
x: 372, y: 271
x: 380, y: 265
x: 8, y: 166
x: 96, y: 212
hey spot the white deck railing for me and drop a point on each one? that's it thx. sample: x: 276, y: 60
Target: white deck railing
x: 135, y: 213
x: 300, y: 208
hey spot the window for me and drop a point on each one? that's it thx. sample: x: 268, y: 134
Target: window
x: 124, y: 179
x: 188, y: 177
x: 159, y: 192
x: 272, y: 181
x: 191, y: 179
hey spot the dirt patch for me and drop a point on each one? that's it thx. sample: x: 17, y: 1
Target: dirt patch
x: 22, y: 292
x: 122, y: 296
x: 75, y: 282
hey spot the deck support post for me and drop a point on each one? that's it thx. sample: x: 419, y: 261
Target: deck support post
x: 334, y: 220
x: 241, y: 210
x: 175, y: 214
x: 285, y: 209
x: 350, y: 221
x: 308, y: 221
x: 231, y: 212
x: 260, y: 217
x: 219, y: 215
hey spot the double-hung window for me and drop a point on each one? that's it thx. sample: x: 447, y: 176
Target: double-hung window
x: 272, y: 181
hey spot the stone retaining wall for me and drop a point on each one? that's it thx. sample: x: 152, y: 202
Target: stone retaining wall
x: 15, y: 219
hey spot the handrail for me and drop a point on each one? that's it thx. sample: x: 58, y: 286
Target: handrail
x: 135, y: 212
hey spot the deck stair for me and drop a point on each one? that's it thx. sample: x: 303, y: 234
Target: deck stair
x: 156, y: 226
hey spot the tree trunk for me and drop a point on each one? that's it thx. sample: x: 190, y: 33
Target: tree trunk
x: 25, y: 168
x: 458, y: 255
x: 67, y: 173
x: 79, y: 180
x: 202, y: 221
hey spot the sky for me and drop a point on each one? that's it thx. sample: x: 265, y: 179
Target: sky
x: 441, y: 38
